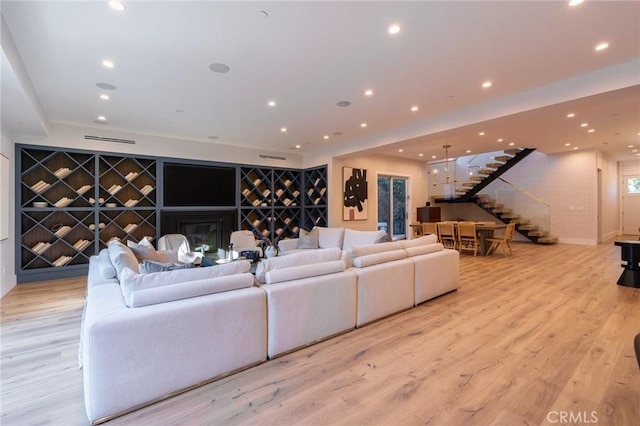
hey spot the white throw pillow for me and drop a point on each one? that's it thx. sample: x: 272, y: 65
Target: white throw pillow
x: 330, y: 237
x: 143, y: 250
x: 122, y: 257
x: 296, y: 259
x: 308, y: 240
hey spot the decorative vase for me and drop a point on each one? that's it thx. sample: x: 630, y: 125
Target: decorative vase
x: 270, y: 252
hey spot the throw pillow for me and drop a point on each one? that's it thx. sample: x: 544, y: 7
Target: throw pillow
x: 207, y: 262
x: 308, y: 240
x: 384, y: 238
x: 143, y: 250
x: 122, y: 257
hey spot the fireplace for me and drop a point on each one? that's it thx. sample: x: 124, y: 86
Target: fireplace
x: 209, y: 227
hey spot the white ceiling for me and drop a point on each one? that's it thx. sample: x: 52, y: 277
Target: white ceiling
x: 307, y: 56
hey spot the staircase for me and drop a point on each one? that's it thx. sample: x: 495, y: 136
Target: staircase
x: 523, y: 226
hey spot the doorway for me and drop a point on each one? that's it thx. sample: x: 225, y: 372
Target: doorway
x: 392, y: 205
x: 631, y: 205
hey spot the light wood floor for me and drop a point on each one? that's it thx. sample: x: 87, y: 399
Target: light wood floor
x: 545, y: 331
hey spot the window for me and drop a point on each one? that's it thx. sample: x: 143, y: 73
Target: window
x: 633, y: 185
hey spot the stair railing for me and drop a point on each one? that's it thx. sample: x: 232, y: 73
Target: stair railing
x: 520, y: 202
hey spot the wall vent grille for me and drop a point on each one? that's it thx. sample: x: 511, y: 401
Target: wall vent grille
x: 105, y: 139
x: 272, y: 157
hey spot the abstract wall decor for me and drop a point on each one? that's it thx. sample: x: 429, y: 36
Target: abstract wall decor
x: 355, y: 204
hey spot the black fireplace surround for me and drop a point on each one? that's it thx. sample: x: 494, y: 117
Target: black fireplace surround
x: 211, y: 227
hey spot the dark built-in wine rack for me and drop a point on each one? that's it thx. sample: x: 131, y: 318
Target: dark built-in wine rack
x: 72, y: 203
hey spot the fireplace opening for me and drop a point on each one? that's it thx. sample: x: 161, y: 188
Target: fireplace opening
x: 211, y: 229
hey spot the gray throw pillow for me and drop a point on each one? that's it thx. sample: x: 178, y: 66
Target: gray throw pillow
x: 149, y: 266
x: 386, y: 238
x: 308, y: 240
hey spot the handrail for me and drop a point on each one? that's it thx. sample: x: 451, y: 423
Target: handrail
x: 520, y: 189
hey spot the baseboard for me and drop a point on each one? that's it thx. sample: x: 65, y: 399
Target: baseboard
x: 578, y: 241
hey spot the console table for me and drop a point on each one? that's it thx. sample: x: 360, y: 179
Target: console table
x: 630, y: 252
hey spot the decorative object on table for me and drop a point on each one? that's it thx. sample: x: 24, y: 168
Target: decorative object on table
x: 354, y: 203
x: 269, y: 247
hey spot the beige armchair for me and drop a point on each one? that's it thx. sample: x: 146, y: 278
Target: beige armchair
x: 244, y: 241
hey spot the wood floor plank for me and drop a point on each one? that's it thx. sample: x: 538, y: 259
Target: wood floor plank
x: 546, y: 330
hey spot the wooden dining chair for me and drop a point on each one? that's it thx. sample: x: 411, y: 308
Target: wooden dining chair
x: 467, y: 237
x: 447, y: 233
x: 417, y: 229
x: 505, y: 241
x: 430, y: 228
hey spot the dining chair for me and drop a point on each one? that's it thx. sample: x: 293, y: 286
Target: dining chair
x: 417, y: 229
x: 430, y: 228
x: 447, y: 233
x: 504, y: 241
x: 467, y: 237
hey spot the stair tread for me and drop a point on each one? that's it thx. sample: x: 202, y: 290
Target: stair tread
x: 528, y: 227
x: 512, y: 151
x: 503, y: 158
x: 548, y: 240
x: 495, y: 165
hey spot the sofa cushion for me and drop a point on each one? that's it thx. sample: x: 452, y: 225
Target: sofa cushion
x: 357, y: 251
x: 132, y: 281
x: 104, y: 265
x: 307, y: 257
x: 122, y: 257
x: 185, y: 290
x: 425, y: 249
x: 427, y: 239
x: 304, y: 271
x: 308, y: 240
x: 330, y: 237
x: 374, y: 259
x: 143, y: 250
x: 353, y: 237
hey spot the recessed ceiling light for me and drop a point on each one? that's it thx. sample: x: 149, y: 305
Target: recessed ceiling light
x: 394, y: 29
x: 283, y: 129
x: 487, y: 84
x: 634, y: 150
x: 363, y: 124
x: 584, y: 124
x: 468, y: 151
x: 500, y: 140
x: 108, y: 63
x: 343, y: 103
x: 571, y: 115
x: 602, y: 46
x: 567, y: 144
x: 401, y: 150
x: 104, y: 97
x: 575, y: 147
x: 591, y: 130
x: 298, y: 146
x: 414, y: 108
x: 481, y: 134
x: 434, y: 157
x: 272, y: 103
x: 421, y: 155
x: 511, y: 144
x: 326, y: 136
x: 106, y: 86
x: 102, y: 118
x: 575, y: 2
x: 219, y: 68
x: 629, y: 146
x: 368, y: 92
x: 117, y: 5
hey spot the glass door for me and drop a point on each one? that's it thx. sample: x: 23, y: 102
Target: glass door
x: 392, y: 206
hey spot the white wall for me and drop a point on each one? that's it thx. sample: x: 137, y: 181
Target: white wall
x: 376, y: 165
x: 7, y: 247
x: 568, y: 183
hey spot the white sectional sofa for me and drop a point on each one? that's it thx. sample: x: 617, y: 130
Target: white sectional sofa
x: 147, y: 336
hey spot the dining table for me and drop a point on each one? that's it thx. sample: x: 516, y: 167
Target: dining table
x: 485, y: 231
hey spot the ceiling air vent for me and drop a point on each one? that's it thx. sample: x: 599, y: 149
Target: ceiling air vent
x: 272, y: 157
x: 105, y: 139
